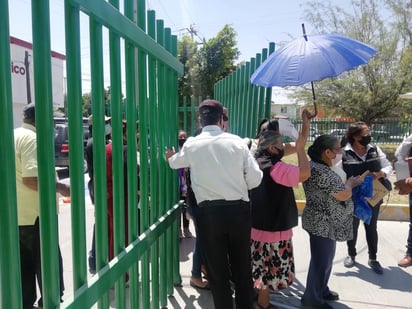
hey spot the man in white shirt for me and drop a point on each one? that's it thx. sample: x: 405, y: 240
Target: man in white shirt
x: 403, y: 154
x: 222, y: 172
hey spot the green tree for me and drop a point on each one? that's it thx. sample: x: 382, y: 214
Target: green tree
x: 214, y: 61
x: 372, y: 90
x: 187, y: 49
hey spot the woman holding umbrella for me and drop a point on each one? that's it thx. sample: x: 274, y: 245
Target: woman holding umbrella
x: 274, y: 213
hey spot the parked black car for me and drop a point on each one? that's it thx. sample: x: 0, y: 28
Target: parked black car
x: 61, y: 141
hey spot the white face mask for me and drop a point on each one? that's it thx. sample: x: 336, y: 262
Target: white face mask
x: 337, y: 159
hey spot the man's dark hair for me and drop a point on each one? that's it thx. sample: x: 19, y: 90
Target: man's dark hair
x: 29, y: 113
x: 211, y: 111
x: 210, y: 118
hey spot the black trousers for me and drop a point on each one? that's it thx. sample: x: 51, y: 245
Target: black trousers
x: 225, y: 228
x: 371, y: 234
x: 30, y: 264
x: 322, y: 252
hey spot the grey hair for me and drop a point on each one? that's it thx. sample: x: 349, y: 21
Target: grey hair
x: 267, y: 139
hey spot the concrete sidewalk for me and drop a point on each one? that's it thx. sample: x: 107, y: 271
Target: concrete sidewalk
x: 358, y: 287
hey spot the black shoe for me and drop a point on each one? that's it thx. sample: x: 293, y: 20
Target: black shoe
x: 376, y: 266
x: 92, y: 264
x: 332, y: 296
x: 349, y: 261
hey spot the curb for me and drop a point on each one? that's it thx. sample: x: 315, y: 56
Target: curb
x: 387, y: 212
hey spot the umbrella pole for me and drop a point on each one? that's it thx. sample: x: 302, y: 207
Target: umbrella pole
x: 314, y: 102
x: 311, y: 83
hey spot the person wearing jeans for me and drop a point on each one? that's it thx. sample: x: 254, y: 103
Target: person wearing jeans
x: 196, y: 280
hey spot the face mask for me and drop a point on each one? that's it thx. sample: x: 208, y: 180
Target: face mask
x: 337, y: 159
x: 365, y: 140
x: 107, y: 129
x: 181, y: 141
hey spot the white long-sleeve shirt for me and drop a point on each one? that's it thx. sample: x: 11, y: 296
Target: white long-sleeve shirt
x: 221, y: 166
x: 402, y: 151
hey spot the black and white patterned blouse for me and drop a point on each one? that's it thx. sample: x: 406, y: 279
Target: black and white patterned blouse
x: 324, y: 215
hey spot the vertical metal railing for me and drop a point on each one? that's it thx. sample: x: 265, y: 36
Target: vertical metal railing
x: 151, y: 71
x: 247, y: 103
x: 45, y: 147
x: 10, y: 296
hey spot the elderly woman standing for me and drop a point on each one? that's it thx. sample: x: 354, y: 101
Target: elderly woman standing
x: 274, y: 213
x: 327, y: 218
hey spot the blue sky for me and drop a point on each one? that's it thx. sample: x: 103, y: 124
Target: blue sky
x: 256, y: 22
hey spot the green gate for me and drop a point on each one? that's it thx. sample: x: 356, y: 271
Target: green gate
x: 151, y: 258
x: 247, y: 104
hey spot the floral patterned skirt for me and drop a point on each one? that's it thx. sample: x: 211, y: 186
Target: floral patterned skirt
x: 273, y: 265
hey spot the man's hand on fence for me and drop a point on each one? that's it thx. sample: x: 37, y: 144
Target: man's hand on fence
x: 170, y: 152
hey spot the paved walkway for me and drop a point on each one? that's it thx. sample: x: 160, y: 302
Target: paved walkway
x: 358, y: 287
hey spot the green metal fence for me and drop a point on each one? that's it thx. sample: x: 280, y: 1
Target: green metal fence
x: 246, y: 103
x: 151, y: 69
x: 384, y: 131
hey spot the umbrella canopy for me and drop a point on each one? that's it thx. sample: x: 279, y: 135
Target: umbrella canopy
x: 407, y: 95
x: 310, y: 59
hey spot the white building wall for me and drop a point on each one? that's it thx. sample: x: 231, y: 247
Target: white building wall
x: 18, y: 49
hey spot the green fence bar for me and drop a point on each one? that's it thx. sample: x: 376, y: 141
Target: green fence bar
x: 177, y: 280
x: 118, y: 184
x: 171, y: 175
x: 74, y: 105
x: 45, y: 147
x: 99, y: 150
x: 268, y: 95
x: 132, y: 171
x: 162, y: 97
x: 9, y: 254
x: 144, y: 181
x: 262, y: 93
x: 153, y: 170
x: 255, y: 99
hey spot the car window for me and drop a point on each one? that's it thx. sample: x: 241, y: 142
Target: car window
x: 61, y: 133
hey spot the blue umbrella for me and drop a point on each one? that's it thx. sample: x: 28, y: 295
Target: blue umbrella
x: 311, y: 58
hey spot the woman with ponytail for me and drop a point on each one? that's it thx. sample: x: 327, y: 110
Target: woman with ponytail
x: 327, y: 218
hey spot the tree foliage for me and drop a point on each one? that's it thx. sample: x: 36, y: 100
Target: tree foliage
x: 205, y: 66
x: 187, y: 49
x: 372, y: 90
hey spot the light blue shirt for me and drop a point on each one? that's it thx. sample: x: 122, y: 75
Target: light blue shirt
x: 221, y: 166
